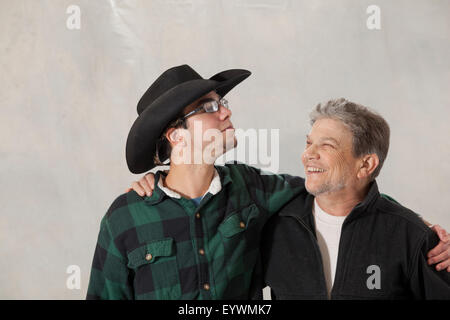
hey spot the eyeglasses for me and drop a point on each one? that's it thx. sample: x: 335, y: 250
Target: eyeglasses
x: 209, y: 107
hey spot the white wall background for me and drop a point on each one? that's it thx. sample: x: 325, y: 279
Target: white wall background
x: 68, y: 99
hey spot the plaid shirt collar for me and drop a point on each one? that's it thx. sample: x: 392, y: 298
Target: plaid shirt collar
x: 214, y: 187
x: 221, y: 179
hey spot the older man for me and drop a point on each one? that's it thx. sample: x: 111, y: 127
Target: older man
x: 340, y: 239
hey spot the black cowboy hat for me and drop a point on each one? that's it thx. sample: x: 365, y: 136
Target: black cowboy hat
x: 163, y: 102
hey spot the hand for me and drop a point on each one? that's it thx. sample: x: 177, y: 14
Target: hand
x: 144, y: 186
x: 440, y: 253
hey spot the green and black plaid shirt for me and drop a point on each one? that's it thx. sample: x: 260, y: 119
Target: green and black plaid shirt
x: 161, y: 247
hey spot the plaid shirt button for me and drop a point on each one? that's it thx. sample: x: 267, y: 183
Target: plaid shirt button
x: 197, y: 215
x: 201, y: 251
x: 242, y: 225
x: 206, y: 286
x: 148, y: 257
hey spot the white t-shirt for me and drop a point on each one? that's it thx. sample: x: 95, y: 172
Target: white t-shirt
x: 328, y: 231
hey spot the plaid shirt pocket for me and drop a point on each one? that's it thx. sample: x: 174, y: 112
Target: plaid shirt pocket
x: 156, y: 270
x: 239, y: 221
x: 240, y: 233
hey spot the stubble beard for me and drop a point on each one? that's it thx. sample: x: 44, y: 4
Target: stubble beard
x: 327, y: 187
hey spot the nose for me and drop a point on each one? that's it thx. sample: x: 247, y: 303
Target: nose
x: 310, y: 153
x: 224, y: 113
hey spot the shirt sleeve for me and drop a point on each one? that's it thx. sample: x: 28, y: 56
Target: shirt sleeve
x: 426, y: 282
x: 271, y: 191
x: 109, y: 278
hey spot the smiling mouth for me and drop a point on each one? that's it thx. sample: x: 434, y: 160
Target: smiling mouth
x: 314, y: 170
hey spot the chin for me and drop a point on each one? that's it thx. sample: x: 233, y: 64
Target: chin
x: 315, y: 189
x: 310, y: 189
x: 230, y: 145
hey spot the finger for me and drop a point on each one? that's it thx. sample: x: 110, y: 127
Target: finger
x: 441, y: 247
x: 136, y: 187
x: 442, y: 234
x: 145, y: 185
x: 128, y: 190
x: 439, y: 258
x: 150, y: 178
x: 443, y: 265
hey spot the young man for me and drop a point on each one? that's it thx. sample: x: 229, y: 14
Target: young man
x: 198, y: 235
x: 286, y: 258
x: 339, y: 238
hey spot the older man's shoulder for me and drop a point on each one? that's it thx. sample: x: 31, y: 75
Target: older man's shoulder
x: 394, y: 211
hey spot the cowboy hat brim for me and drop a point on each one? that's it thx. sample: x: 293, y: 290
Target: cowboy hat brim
x: 149, y: 126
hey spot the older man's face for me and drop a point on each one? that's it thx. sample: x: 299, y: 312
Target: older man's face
x: 328, y: 159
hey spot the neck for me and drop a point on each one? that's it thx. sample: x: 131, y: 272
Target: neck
x: 190, y: 181
x: 342, y: 202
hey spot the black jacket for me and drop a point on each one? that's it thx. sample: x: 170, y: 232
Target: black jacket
x: 382, y: 254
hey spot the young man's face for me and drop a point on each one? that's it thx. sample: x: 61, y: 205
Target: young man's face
x: 210, y: 134
x: 328, y: 158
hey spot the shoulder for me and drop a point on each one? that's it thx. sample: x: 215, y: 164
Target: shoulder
x: 237, y: 168
x: 119, y: 216
x: 256, y: 176
x: 407, y: 225
x: 395, y: 212
x: 122, y: 203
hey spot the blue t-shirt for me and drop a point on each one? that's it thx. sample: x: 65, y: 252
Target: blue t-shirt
x: 197, y: 200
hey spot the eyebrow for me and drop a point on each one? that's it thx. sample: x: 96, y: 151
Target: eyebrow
x: 325, y: 139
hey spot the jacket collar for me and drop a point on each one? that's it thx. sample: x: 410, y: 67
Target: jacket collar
x: 292, y: 209
x: 366, y: 205
x: 224, y: 173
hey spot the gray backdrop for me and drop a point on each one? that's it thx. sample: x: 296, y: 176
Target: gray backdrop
x: 68, y: 98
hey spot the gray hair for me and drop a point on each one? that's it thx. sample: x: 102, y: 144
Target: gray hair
x: 370, y: 131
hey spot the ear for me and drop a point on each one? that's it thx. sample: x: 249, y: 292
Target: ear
x: 173, y: 136
x: 368, y: 164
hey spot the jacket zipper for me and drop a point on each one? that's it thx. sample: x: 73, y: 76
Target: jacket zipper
x: 318, y: 253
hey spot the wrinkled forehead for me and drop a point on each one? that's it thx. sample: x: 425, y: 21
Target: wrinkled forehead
x: 332, y: 129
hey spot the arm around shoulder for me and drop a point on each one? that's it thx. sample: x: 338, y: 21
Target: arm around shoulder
x: 271, y: 191
x: 425, y: 281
